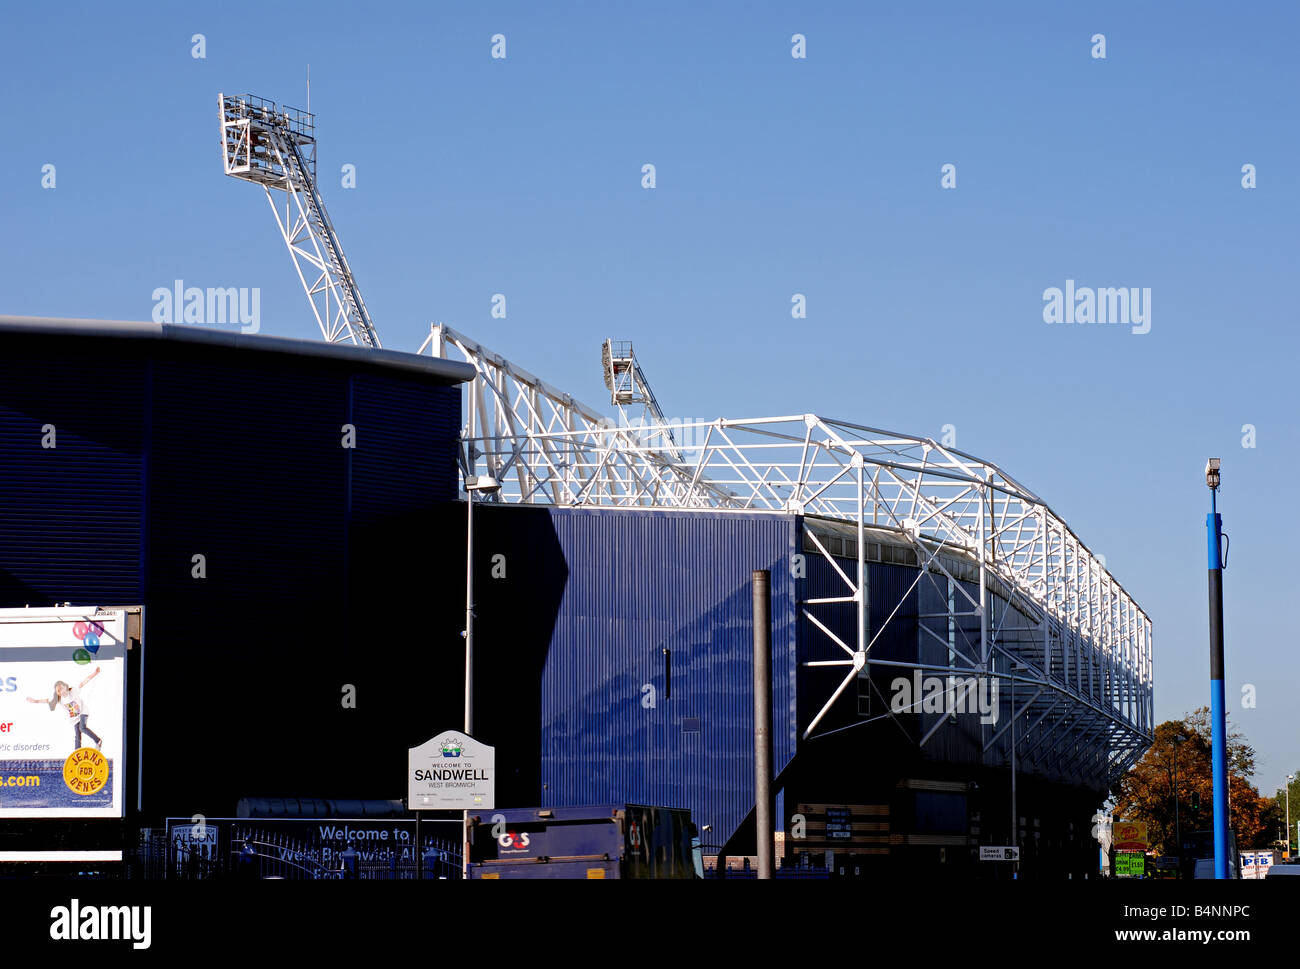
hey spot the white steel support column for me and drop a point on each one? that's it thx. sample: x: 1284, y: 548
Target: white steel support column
x: 985, y: 657
x: 863, y: 591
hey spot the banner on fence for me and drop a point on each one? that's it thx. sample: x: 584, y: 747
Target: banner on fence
x: 312, y: 844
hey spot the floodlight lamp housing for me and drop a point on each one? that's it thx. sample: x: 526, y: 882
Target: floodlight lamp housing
x: 1212, y: 473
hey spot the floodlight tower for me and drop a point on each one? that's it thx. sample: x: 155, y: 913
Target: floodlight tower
x: 627, y: 384
x: 276, y: 148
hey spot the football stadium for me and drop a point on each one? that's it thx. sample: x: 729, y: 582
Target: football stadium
x: 302, y: 535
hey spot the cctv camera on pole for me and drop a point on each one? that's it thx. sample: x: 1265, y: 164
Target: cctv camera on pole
x: 1218, y: 711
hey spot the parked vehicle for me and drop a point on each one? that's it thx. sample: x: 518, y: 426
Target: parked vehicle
x: 1199, y: 845
x: 609, y: 841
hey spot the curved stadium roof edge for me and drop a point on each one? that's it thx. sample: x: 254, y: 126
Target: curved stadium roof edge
x: 445, y: 371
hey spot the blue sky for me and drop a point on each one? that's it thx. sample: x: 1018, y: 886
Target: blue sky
x: 775, y: 176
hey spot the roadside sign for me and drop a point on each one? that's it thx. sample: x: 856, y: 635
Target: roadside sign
x: 999, y: 853
x: 851, y: 828
x: 1130, y: 864
x: 1130, y: 836
x: 451, y: 771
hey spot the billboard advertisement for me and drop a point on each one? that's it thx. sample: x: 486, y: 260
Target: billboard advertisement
x: 1130, y: 836
x: 62, y: 712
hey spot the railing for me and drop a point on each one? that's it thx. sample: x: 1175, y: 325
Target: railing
x: 255, y: 854
x: 786, y: 873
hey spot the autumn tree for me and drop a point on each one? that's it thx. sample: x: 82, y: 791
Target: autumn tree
x: 1146, y: 792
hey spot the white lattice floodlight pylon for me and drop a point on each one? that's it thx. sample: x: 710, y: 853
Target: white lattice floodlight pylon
x: 276, y: 148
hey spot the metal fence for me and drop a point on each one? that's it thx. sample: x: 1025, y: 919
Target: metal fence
x: 787, y: 873
x: 255, y: 852
x: 746, y: 869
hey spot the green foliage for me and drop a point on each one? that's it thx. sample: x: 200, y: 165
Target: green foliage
x: 1277, y: 811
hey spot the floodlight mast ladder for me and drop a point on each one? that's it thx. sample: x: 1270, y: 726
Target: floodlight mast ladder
x: 627, y: 385
x: 276, y: 148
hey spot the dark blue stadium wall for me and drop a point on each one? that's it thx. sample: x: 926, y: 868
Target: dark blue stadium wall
x: 315, y: 553
x: 620, y: 720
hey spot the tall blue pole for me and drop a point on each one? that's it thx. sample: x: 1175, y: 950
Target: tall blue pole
x: 1218, y: 710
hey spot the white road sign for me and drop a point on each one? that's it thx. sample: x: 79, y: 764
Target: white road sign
x: 999, y: 853
x: 453, y: 771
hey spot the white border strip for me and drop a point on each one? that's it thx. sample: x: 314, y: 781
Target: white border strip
x: 60, y: 856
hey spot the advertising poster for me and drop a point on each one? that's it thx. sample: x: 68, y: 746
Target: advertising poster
x: 62, y: 712
x: 1130, y: 864
x: 1131, y: 836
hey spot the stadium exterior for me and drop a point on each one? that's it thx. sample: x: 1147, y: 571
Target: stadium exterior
x: 612, y: 574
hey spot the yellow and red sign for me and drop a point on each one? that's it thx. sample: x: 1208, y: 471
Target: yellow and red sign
x: 1131, y: 836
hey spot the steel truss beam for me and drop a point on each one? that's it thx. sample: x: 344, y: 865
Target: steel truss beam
x: 276, y: 148
x: 1086, y: 643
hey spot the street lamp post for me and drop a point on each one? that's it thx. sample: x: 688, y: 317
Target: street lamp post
x: 1290, y: 778
x: 1179, y: 740
x: 1013, y: 667
x: 1218, y: 706
x: 487, y: 485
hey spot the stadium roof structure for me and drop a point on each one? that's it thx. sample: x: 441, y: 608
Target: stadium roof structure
x: 444, y: 371
x: 1080, y: 654
x: 1083, y: 655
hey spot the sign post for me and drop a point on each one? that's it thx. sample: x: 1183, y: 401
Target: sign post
x: 451, y: 772
x: 1131, y: 842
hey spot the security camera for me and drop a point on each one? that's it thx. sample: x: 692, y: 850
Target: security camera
x: 1212, y: 473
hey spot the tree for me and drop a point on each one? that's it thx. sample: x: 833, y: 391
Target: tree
x: 1277, y: 820
x: 1146, y: 792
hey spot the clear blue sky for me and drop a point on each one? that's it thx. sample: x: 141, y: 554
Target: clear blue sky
x: 775, y: 176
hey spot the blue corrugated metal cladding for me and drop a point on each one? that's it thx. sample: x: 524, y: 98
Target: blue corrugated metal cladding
x: 622, y: 721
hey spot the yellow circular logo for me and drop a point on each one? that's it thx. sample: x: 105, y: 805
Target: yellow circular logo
x: 86, y: 770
